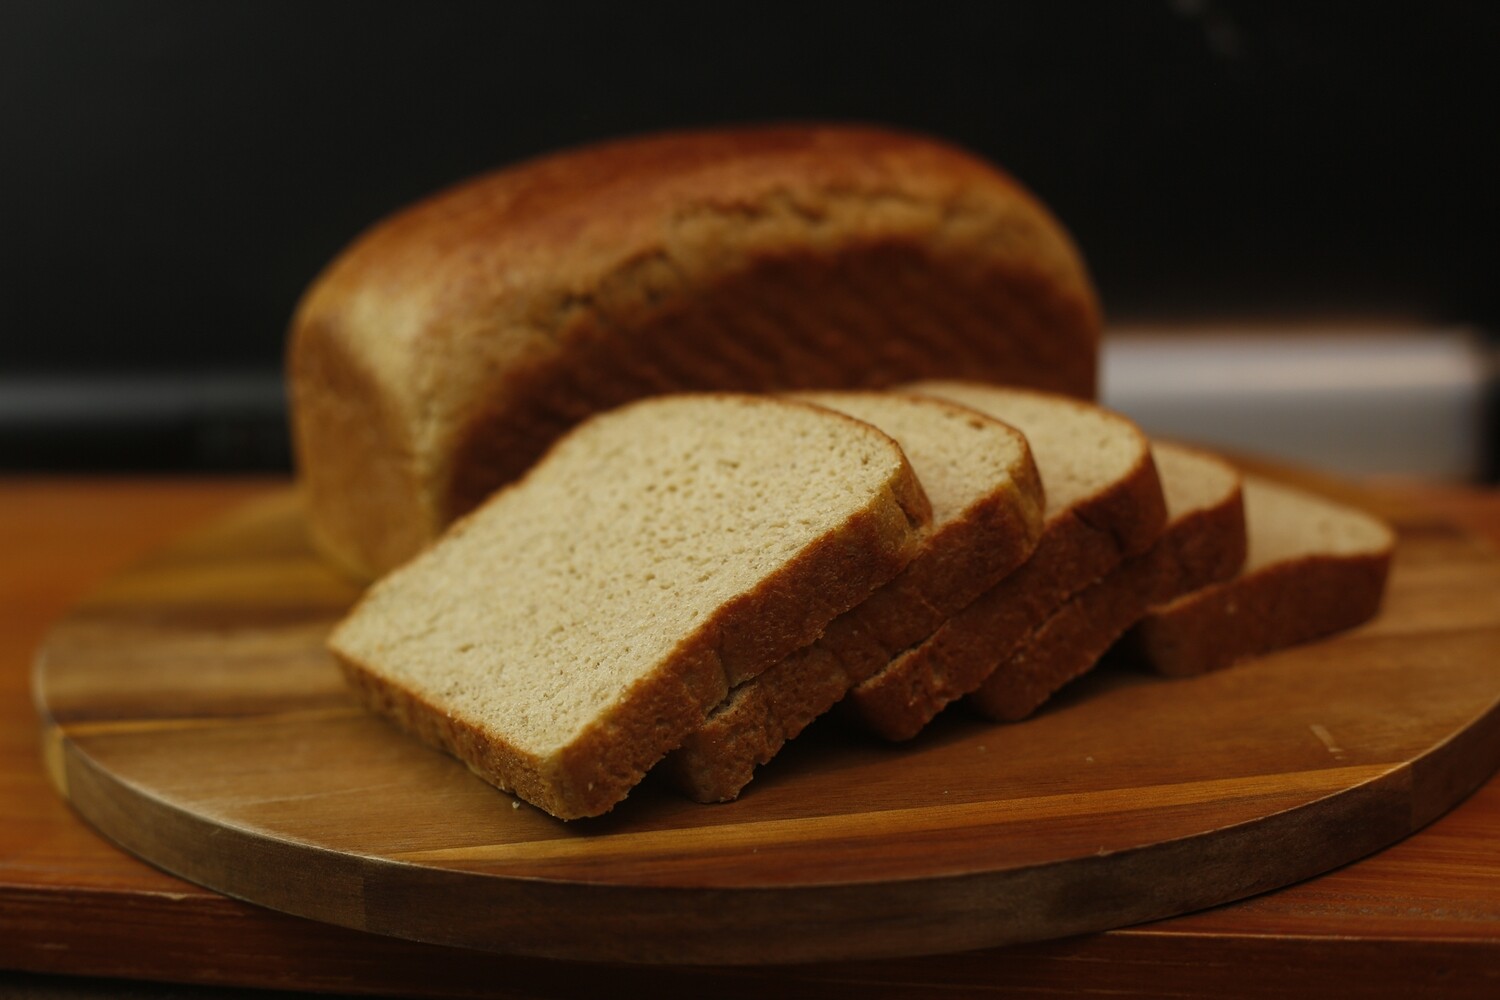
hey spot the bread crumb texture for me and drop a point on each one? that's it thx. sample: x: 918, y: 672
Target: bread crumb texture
x: 1103, y: 502
x: 1289, y: 523
x: 1313, y: 566
x: 1079, y: 448
x: 960, y: 456
x: 550, y: 618
x: 987, y: 510
x: 1193, y: 480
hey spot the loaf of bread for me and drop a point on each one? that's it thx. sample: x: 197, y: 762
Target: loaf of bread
x: 1203, y: 543
x: 1313, y: 567
x: 1104, y: 503
x: 987, y: 508
x: 438, y: 356
x: 571, y: 631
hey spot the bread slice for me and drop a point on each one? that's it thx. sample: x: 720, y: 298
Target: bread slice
x: 1314, y: 566
x: 566, y: 635
x: 987, y: 514
x: 1104, y: 502
x: 438, y: 356
x: 1204, y: 542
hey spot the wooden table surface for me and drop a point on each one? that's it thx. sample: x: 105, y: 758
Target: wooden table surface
x: 1420, y: 918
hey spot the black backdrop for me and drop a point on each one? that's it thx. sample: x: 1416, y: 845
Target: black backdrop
x: 175, y: 171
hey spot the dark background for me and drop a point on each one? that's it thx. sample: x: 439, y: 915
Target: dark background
x: 173, y: 173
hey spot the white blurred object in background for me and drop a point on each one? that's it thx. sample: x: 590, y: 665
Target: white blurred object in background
x: 1377, y: 401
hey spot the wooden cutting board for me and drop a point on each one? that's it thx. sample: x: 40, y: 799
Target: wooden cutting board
x: 191, y: 714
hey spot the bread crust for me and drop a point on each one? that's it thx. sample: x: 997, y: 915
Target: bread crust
x: 786, y: 610
x: 489, y: 318
x: 1203, y: 546
x: 759, y: 717
x: 1077, y: 546
x: 365, y: 449
x: 1265, y: 608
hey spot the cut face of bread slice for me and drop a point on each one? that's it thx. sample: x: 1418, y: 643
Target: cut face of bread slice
x: 1204, y: 542
x: 987, y: 514
x: 1104, y: 503
x: 566, y: 635
x: 437, y: 356
x: 1313, y: 567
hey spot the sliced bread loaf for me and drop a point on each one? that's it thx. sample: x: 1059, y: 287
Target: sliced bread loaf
x: 1204, y: 542
x: 576, y: 627
x: 987, y: 514
x: 1313, y: 567
x: 437, y: 357
x: 1104, y: 502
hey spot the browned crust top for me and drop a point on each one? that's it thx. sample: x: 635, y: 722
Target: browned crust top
x: 503, y: 299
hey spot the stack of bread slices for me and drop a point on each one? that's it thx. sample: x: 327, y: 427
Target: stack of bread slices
x: 692, y: 579
x: 814, y: 431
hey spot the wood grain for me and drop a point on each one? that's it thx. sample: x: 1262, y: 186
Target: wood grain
x: 197, y: 676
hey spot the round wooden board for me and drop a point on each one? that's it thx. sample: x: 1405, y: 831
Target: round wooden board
x: 192, y: 715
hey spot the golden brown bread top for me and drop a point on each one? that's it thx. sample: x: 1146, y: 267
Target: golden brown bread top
x: 507, y: 307
x: 526, y: 245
